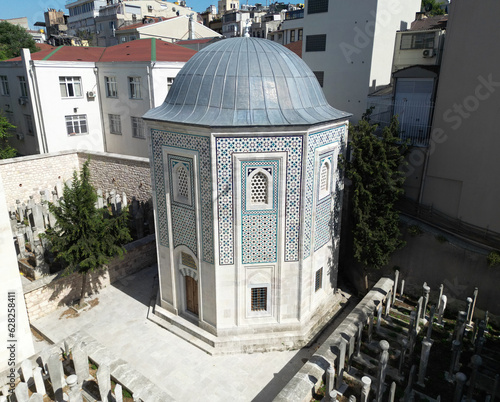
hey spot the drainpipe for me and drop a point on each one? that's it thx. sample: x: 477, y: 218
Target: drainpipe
x: 37, y: 104
x: 149, y: 72
x: 105, y: 145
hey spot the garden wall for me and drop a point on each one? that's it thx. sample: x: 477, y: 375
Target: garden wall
x: 48, y: 293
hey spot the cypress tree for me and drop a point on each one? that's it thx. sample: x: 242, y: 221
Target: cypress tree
x: 85, y: 237
x: 377, y: 180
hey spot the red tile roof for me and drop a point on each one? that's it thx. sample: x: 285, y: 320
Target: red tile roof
x: 44, y: 46
x: 137, y: 50
x: 295, y: 47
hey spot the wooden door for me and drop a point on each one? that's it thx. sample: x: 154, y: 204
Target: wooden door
x: 191, y: 295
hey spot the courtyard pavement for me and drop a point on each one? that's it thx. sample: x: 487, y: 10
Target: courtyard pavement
x: 118, y: 321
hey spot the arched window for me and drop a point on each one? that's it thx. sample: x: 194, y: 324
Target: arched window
x: 183, y: 185
x: 181, y: 179
x: 324, y: 179
x: 259, y: 189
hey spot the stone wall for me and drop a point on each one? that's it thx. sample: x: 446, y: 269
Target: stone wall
x: 27, y: 175
x: 308, y: 379
x: 129, y: 174
x: 47, y: 294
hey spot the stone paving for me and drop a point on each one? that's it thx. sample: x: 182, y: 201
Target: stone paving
x: 118, y: 321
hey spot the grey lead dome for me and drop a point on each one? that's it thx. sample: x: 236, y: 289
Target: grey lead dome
x: 245, y: 82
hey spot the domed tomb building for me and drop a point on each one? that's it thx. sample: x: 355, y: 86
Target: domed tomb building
x: 247, y: 194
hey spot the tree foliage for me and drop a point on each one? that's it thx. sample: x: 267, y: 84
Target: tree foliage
x: 85, y: 238
x: 377, y: 180
x: 432, y: 7
x: 6, y: 151
x: 13, y: 38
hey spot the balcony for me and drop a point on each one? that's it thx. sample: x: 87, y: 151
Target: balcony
x: 294, y: 15
x: 414, y: 118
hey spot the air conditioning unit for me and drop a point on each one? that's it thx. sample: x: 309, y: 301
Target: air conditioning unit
x: 91, y: 94
x: 428, y: 53
x: 23, y: 100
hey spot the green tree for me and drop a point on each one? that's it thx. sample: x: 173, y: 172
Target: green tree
x: 432, y: 7
x: 6, y: 151
x: 377, y: 180
x: 13, y: 38
x: 84, y: 237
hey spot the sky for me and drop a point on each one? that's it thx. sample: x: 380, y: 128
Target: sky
x: 34, y: 9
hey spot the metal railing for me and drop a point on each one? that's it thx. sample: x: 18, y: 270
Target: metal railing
x: 294, y: 15
x: 439, y: 219
x: 414, y: 118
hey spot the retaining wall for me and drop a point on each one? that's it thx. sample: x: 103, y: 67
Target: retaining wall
x: 48, y: 293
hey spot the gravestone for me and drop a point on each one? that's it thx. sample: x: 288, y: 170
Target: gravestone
x: 424, y: 361
x: 21, y: 392
x: 39, y: 383
x: 460, y: 381
x: 365, y: 390
x: 104, y: 380
x: 26, y: 370
x: 329, y: 383
x: 382, y: 368
x: 442, y: 307
x: 395, y: 288
x: 81, y: 362
x: 56, y: 374
x: 119, y: 393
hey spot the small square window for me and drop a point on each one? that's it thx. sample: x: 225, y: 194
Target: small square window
x: 315, y: 43
x: 259, y: 299
x: 318, y: 283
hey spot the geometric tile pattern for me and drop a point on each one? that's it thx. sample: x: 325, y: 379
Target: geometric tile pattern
x: 200, y: 144
x: 225, y: 147
x: 315, y: 140
x: 184, y: 227
x: 259, y: 226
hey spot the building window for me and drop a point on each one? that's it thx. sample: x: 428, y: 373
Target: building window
x: 292, y: 35
x: 115, y: 124
x: 324, y: 179
x: 320, y: 76
x: 316, y: 43
x: 134, y: 84
x: 170, y: 82
x: 317, y: 6
x: 138, y: 128
x: 4, y: 85
x: 422, y: 40
x: 259, y: 299
x: 111, y: 89
x: 300, y: 34
x: 181, y: 181
x: 29, y: 124
x: 259, y: 188
x: 76, y: 124
x: 23, y: 86
x: 318, y: 282
x: 71, y: 87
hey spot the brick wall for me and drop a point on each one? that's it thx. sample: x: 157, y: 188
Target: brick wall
x: 123, y: 173
x: 47, y: 294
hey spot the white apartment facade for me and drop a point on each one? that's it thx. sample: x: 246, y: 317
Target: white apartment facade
x: 62, y: 103
x: 352, y: 46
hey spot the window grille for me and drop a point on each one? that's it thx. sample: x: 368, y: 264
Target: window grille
x: 188, y: 261
x: 320, y: 76
x: 259, y: 299
x: 422, y: 40
x: 317, y: 6
x: 134, y: 87
x: 23, y: 86
x: 259, y: 184
x: 76, y: 124
x: 183, y: 183
x: 324, y: 176
x: 316, y: 43
x: 115, y: 124
x: 138, y: 128
x: 318, y: 283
